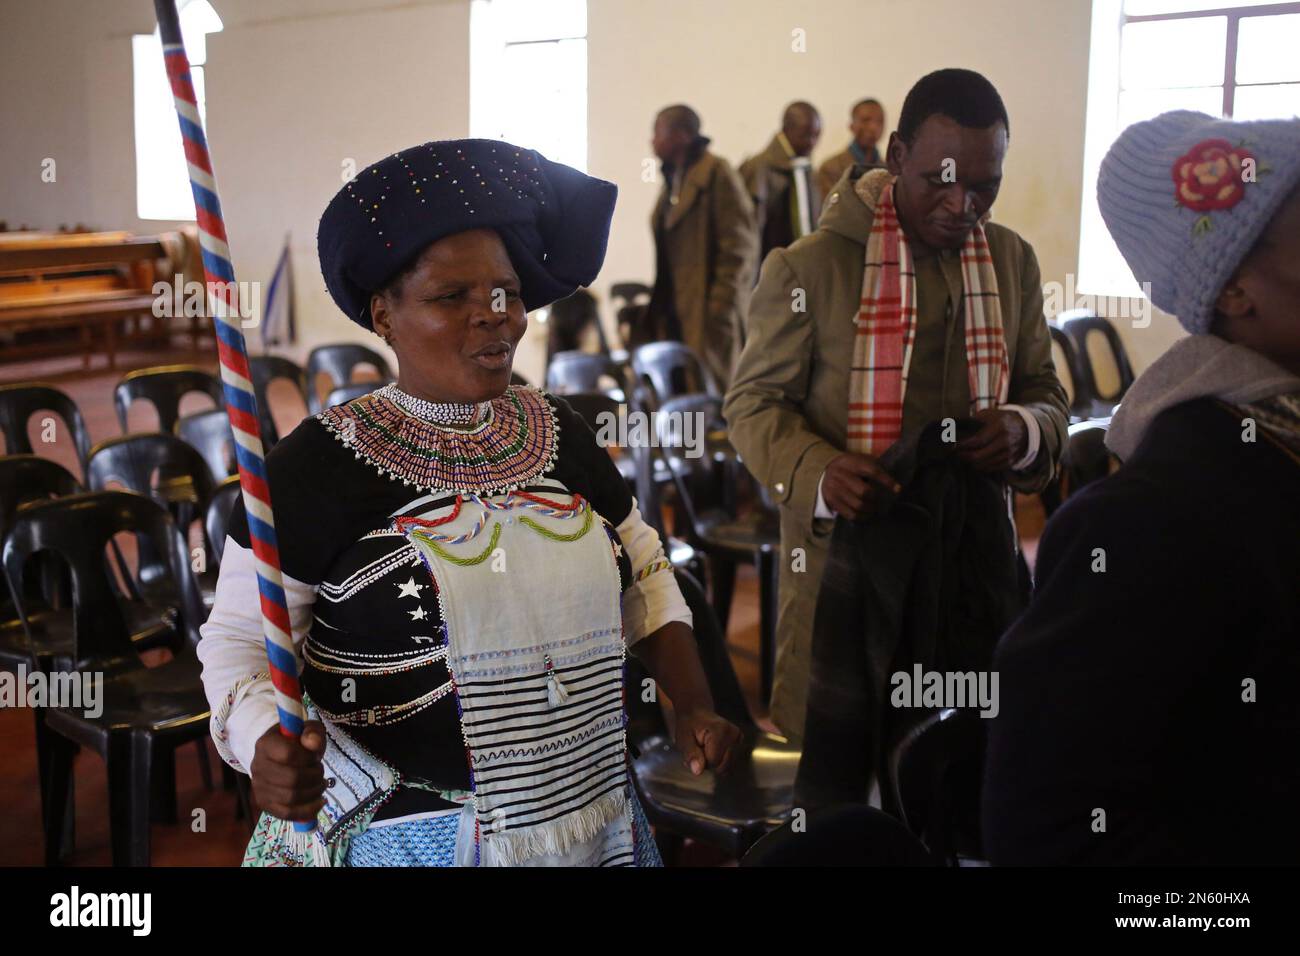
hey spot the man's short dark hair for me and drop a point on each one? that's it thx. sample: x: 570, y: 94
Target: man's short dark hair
x: 800, y: 111
x: 963, y: 96
x: 680, y: 116
x: 869, y: 101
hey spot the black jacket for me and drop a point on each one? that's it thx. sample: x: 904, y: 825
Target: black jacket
x: 932, y: 578
x: 1122, y: 689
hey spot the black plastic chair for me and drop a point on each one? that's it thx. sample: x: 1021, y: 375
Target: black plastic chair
x: 338, y: 362
x: 657, y: 372
x: 24, y: 479
x: 671, y: 369
x: 18, y: 403
x: 845, y: 835
x: 702, y: 485
x: 46, y: 643
x: 163, y: 387
x: 631, y: 293
x: 346, y: 393
x: 567, y: 322
x: 593, y: 407
x: 46, y: 594
x: 572, y: 372
x: 216, y: 516
x: 1083, y: 327
x: 209, y: 434
x: 133, y: 461
x: 263, y: 370
x: 729, y: 811
x: 654, y: 480
x: 183, y: 484
x: 634, y: 325
x: 933, y: 776
x: 1067, y: 370
x: 1085, y: 459
x: 598, y: 409
x: 146, y: 711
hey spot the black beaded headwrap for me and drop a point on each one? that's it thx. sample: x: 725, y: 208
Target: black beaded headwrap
x: 553, y: 220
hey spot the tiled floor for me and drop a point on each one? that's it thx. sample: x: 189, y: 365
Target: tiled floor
x: 207, y: 832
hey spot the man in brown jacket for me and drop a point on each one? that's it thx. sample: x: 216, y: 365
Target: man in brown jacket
x: 706, y: 247
x: 866, y: 123
x: 788, y: 405
x: 780, y: 179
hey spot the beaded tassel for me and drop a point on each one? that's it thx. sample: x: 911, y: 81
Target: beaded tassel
x: 556, y: 692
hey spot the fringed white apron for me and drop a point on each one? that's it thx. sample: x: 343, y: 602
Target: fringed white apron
x: 528, y: 586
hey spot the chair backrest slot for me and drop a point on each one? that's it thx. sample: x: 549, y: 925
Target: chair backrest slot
x: 338, y: 362
x: 163, y: 387
x: 80, y: 529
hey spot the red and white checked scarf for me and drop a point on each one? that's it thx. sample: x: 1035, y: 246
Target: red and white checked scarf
x: 886, y: 329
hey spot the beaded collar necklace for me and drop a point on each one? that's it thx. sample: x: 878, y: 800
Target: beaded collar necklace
x: 510, y: 441
x: 462, y: 415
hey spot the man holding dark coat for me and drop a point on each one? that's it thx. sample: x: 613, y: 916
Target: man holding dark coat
x: 818, y: 392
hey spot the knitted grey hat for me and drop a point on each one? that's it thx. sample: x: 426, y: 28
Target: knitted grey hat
x: 1185, y: 196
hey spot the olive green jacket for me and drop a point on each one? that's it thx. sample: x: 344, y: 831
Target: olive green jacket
x: 829, y: 172
x: 787, y: 407
x: 707, y: 252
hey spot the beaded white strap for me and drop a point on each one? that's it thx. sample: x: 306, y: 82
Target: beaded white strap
x: 381, y: 715
x: 219, y: 717
x: 365, y: 576
x: 458, y: 415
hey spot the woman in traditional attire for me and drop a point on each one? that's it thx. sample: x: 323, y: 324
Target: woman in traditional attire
x: 465, y: 567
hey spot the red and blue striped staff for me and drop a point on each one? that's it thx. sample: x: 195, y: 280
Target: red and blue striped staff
x: 241, y: 402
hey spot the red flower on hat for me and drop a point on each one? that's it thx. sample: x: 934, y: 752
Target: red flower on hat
x: 1209, y: 176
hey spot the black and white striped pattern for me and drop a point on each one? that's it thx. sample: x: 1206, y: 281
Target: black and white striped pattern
x: 548, y: 761
x: 533, y: 762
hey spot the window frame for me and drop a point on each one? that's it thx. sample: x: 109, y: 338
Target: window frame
x: 187, y: 9
x: 491, y: 40
x: 1099, y: 269
x: 1234, y: 15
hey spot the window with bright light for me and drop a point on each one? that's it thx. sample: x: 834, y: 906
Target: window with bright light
x: 1234, y: 58
x: 528, y: 76
x: 162, y: 179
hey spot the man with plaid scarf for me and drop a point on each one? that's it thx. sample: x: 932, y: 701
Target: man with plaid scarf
x: 905, y: 307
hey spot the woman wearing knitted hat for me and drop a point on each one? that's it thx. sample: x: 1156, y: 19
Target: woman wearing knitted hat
x: 1149, y: 711
x: 464, y: 566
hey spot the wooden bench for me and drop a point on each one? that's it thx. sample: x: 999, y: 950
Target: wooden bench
x: 88, y: 283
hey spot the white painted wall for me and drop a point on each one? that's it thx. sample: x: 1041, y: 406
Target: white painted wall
x: 732, y: 60
x: 297, y: 86
x: 294, y: 87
